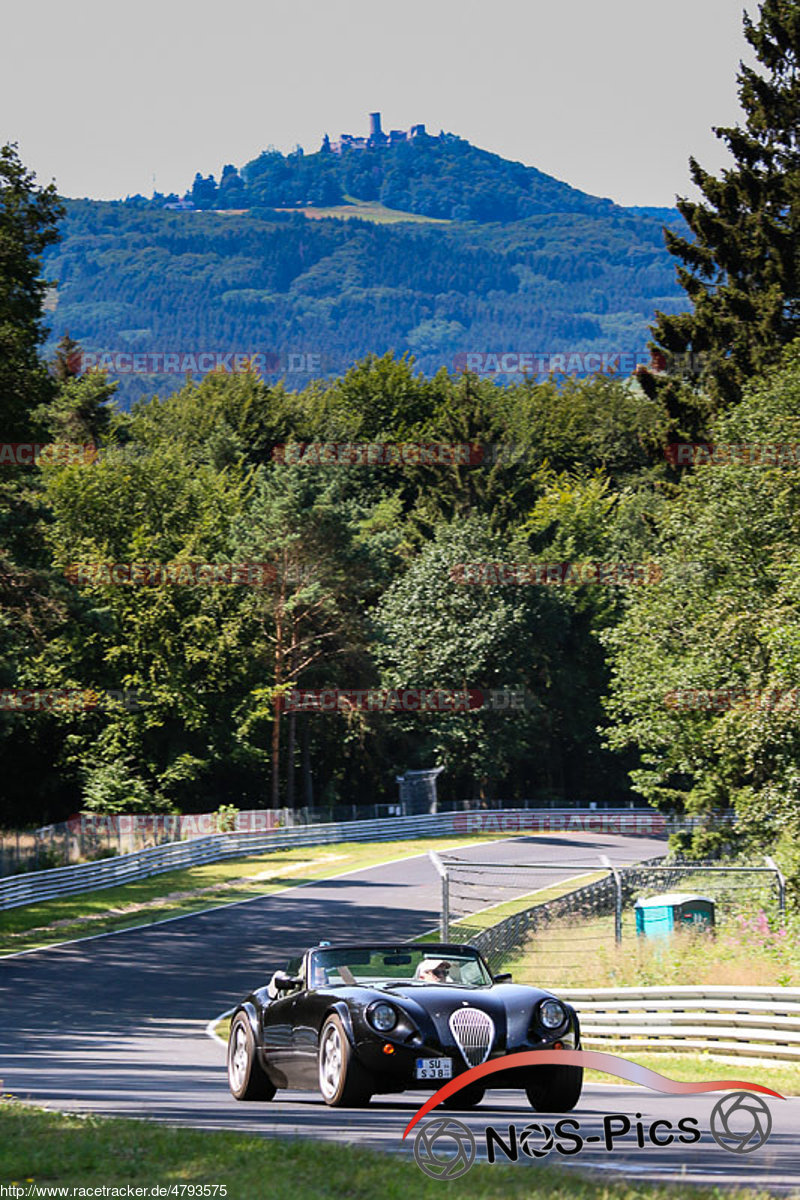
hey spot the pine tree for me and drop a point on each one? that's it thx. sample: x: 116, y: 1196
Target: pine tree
x: 29, y: 218
x: 67, y: 361
x: 742, y: 271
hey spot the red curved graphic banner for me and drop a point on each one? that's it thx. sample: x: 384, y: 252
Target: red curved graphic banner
x: 595, y: 1060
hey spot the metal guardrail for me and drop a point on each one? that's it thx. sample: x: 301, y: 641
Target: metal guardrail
x: 89, y: 836
x: 30, y: 888
x: 34, y: 886
x: 757, y: 1022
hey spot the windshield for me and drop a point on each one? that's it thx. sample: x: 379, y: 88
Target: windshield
x: 385, y: 965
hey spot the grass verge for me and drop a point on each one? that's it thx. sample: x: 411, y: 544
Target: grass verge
x: 699, y: 1068
x: 583, y: 953
x: 56, y: 1149
x: 194, y: 889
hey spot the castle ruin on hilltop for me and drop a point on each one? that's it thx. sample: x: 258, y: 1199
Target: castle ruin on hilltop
x: 348, y: 141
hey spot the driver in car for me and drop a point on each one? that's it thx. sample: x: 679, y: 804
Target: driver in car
x: 433, y: 970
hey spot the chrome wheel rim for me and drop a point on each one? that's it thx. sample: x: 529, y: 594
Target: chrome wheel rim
x: 238, y: 1059
x: 330, y: 1062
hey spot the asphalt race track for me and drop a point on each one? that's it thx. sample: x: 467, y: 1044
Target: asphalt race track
x: 115, y: 1024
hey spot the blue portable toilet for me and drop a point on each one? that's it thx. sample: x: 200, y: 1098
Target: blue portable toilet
x: 659, y: 916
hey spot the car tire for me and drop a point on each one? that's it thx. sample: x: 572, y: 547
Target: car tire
x: 468, y: 1097
x: 246, y: 1077
x: 555, y: 1089
x: 342, y: 1081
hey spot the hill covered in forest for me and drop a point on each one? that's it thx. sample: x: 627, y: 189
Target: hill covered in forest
x: 495, y: 256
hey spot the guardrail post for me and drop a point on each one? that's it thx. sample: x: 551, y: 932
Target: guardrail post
x: 604, y: 859
x: 445, y: 915
x: 781, y: 885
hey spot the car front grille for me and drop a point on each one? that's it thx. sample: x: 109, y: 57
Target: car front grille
x: 473, y: 1031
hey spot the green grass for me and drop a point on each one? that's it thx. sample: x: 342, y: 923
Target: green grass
x: 54, y: 1149
x: 584, y: 954
x: 568, y: 954
x: 194, y: 889
x: 698, y: 1068
x: 366, y: 210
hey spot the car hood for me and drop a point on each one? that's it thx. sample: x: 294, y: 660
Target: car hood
x: 430, y: 1007
x: 449, y: 995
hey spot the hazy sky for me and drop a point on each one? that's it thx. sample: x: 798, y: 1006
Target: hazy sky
x: 611, y: 96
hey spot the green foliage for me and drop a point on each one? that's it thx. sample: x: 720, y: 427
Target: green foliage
x: 741, y: 269
x: 113, y: 787
x: 725, y: 616
x: 28, y: 220
x: 226, y: 818
x: 440, y: 176
x: 149, y: 281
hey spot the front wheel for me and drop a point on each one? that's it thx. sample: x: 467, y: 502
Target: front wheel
x: 554, y: 1089
x: 246, y: 1077
x: 342, y: 1081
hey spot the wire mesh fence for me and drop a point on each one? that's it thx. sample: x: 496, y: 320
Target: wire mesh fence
x: 565, y: 929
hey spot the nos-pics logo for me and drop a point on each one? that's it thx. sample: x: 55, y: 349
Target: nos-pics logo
x: 445, y: 1148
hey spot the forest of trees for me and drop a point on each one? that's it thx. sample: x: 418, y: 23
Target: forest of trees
x: 363, y: 589
x: 152, y: 281
x: 443, y: 177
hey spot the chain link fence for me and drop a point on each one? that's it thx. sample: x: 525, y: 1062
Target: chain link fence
x: 585, y: 917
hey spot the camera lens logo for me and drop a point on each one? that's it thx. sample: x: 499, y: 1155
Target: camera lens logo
x: 529, y: 1137
x: 741, y: 1122
x: 444, y: 1148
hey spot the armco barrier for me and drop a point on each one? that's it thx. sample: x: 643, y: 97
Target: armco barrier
x: 760, y: 1022
x: 18, y: 890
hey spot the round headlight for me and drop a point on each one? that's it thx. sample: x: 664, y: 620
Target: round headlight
x: 383, y: 1017
x: 552, y: 1014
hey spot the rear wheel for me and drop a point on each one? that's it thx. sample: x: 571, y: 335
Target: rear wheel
x: 554, y: 1089
x: 468, y: 1097
x: 343, y: 1082
x: 246, y: 1077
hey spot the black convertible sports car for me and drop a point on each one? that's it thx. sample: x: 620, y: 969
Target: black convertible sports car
x: 350, y: 1021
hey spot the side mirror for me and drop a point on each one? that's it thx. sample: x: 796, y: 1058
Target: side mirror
x: 282, y: 982
x: 506, y: 977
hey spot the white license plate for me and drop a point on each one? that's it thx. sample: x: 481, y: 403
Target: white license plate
x: 434, y: 1068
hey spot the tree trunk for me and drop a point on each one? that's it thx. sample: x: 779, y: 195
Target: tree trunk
x: 308, y: 783
x: 276, y: 726
x: 290, y: 740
